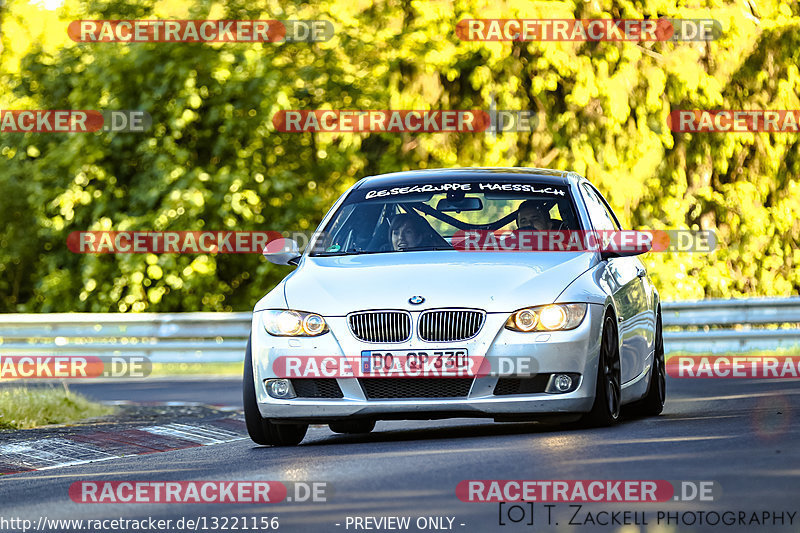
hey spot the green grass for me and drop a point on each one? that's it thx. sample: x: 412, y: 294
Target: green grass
x: 192, y: 369
x: 24, y: 408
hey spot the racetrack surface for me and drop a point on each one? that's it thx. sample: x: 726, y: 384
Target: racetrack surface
x: 225, y: 391
x: 741, y: 434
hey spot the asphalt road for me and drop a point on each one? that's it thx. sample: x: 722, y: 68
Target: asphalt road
x: 217, y: 391
x: 740, y: 434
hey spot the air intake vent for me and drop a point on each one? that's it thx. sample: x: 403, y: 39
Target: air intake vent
x: 316, y: 388
x: 380, y: 326
x: 393, y: 388
x: 531, y: 385
x: 448, y: 325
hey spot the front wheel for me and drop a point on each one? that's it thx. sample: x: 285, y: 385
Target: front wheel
x: 263, y: 431
x: 653, y: 403
x: 608, y: 391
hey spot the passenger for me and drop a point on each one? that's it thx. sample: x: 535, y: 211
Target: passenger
x: 407, y: 232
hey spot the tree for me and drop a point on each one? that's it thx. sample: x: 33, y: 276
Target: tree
x: 212, y: 159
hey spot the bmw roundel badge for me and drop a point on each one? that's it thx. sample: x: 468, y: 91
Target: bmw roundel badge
x: 416, y: 300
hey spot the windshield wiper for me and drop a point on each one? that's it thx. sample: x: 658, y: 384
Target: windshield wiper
x: 354, y: 252
x: 425, y: 249
x: 368, y: 252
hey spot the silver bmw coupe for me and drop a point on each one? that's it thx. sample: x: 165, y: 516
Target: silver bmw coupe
x: 390, y: 315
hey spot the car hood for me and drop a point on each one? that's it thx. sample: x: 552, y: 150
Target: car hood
x: 335, y: 286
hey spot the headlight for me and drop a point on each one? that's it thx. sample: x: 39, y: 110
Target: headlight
x: 288, y: 323
x: 553, y: 317
x: 525, y: 320
x: 547, y: 318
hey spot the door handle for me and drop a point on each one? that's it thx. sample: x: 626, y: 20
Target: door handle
x: 640, y: 272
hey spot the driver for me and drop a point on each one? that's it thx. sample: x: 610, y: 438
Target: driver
x: 407, y: 231
x: 531, y: 215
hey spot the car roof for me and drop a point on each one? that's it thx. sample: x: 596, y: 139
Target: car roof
x: 440, y: 175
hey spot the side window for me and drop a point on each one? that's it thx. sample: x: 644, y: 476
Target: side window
x: 599, y: 212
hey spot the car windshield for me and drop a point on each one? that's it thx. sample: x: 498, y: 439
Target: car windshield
x: 423, y: 217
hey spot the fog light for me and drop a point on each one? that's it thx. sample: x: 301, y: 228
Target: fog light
x: 280, y: 388
x: 562, y: 383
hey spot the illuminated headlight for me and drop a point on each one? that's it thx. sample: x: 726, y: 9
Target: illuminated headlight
x: 525, y: 320
x: 313, y: 324
x: 288, y: 323
x: 553, y: 317
x: 547, y: 318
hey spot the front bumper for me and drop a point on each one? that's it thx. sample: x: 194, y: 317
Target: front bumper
x: 576, y: 351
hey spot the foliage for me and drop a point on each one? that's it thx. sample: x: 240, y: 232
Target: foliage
x: 212, y: 159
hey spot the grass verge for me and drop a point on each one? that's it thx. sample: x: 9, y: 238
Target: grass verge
x: 25, y: 408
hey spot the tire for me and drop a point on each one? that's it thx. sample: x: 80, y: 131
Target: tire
x: 352, y: 427
x: 608, y: 391
x: 263, y: 431
x: 653, y: 403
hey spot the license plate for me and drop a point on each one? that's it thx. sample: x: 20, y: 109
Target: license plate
x: 414, y: 362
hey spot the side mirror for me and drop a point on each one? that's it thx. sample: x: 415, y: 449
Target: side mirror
x: 609, y: 254
x: 282, y: 252
x: 626, y: 243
